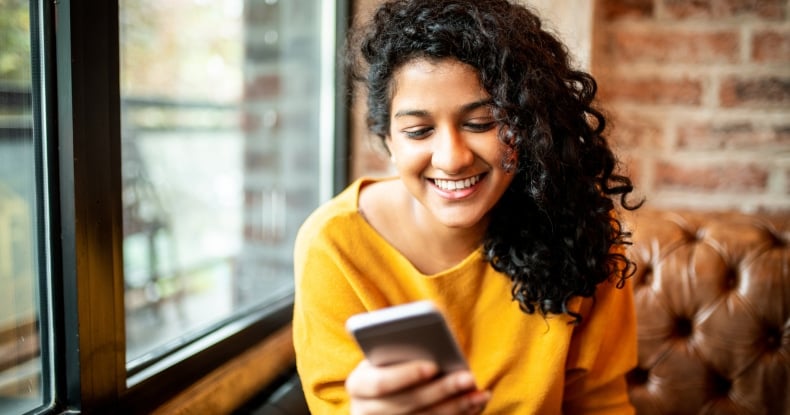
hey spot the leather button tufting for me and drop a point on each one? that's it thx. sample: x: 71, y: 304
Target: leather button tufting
x: 773, y: 339
x: 646, y: 277
x: 683, y: 327
x: 692, y: 235
x: 720, y: 385
x: 711, y: 294
x: 777, y: 240
x: 637, y: 376
x: 731, y: 279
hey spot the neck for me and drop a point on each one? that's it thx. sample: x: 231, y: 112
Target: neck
x: 446, y: 244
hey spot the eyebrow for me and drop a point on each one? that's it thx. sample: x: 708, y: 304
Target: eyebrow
x: 464, y: 109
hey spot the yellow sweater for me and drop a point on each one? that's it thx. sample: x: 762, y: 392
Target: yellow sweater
x: 530, y: 364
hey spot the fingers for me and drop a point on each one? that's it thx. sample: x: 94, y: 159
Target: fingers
x: 453, y: 394
x: 368, y: 381
x: 467, y: 404
x: 411, y: 389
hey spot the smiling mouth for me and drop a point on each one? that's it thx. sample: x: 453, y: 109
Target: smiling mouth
x: 450, y: 185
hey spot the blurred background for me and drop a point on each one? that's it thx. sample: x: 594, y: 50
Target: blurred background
x: 697, y: 94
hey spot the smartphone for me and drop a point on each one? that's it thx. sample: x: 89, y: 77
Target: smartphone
x: 407, y: 332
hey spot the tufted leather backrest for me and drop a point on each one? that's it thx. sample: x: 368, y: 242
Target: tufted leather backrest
x: 712, y: 295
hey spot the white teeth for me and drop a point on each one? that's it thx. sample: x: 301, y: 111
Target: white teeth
x: 456, y: 184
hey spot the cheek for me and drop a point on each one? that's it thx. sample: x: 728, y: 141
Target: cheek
x: 408, y: 153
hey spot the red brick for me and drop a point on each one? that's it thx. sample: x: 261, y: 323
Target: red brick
x: 768, y: 91
x: 251, y: 232
x: 621, y: 9
x: 712, y: 136
x: 252, y: 199
x: 682, y: 9
x: 631, y: 131
x: 675, y: 47
x: 250, y: 122
x: 653, y: 91
x: 722, y: 177
x: 634, y: 168
x: 767, y: 9
x: 264, y: 86
x: 686, y: 9
x: 771, y: 46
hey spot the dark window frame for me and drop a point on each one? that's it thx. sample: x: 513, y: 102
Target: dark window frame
x: 79, y: 155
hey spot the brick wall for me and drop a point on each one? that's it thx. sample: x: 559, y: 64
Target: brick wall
x: 697, y: 91
x: 281, y: 156
x: 699, y: 94
x: 366, y: 154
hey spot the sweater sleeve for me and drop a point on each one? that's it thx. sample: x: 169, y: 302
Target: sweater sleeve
x: 325, y: 353
x: 602, y: 351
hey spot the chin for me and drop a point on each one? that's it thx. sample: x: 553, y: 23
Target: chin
x: 459, y: 222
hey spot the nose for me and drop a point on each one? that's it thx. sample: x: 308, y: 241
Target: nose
x: 451, y: 153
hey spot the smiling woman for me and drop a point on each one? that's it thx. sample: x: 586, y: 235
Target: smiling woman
x: 442, y: 136
x: 503, y: 212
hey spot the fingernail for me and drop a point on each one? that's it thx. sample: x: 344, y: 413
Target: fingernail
x: 465, y: 381
x: 428, y: 370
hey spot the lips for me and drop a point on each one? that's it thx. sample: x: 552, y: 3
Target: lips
x: 455, y: 185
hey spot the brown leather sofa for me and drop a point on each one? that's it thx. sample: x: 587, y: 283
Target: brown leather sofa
x: 712, y: 294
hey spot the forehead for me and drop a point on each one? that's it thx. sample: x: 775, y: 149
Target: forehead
x: 423, y: 82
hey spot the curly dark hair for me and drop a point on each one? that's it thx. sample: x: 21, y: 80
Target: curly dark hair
x: 553, y: 232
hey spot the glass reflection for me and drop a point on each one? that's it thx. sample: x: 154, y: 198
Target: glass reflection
x: 220, y: 162
x: 21, y: 385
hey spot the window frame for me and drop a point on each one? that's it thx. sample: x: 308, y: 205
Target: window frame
x: 80, y: 156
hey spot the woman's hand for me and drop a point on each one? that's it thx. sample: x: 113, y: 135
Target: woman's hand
x: 413, y: 388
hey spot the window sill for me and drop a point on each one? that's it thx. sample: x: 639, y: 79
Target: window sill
x: 237, y: 381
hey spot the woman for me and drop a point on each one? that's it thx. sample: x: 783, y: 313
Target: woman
x: 502, y: 214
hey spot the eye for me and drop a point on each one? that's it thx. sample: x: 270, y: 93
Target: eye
x: 417, y: 133
x: 480, y: 127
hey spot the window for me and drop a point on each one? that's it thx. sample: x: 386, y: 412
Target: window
x: 156, y: 160
x: 220, y: 124
x: 23, y: 384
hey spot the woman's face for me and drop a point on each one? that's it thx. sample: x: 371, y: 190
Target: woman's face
x: 444, y: 141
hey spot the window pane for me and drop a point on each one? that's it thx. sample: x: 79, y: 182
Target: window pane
x: 20, y: 345
x: 220, y: 126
